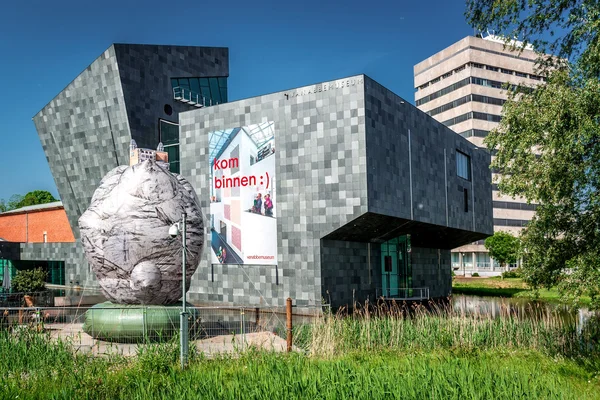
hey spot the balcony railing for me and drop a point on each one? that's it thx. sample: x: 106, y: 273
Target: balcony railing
x: 403, y: 293
x: 194, y: 99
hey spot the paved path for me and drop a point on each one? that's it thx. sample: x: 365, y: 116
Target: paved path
x: 222, y: 344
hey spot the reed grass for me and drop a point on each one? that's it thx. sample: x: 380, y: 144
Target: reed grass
x: 402, y: 327
x: 382, y: 352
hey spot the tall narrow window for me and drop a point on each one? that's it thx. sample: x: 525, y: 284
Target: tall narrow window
x: 463, y: 165
x: 169, y: 137
x: 466, y: 199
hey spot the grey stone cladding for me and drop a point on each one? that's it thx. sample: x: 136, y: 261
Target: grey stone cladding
x: 86, y: 129
x: 349, y: 175
x: 431, y: 268
x: 432, y: 175
x: 77, y: 270
x: 344, y: 186
x: 320, y: 173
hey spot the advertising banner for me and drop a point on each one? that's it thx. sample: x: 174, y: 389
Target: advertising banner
x: 243, y: 203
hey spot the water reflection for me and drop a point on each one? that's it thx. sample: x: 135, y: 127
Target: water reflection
x: 496, y: 307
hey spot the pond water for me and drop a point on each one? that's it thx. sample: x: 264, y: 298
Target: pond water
x: 497, y: 307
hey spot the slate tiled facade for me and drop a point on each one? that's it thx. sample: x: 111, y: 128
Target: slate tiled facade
x: 86, y: 129
x: 344, y: 187
x: 349, y: 174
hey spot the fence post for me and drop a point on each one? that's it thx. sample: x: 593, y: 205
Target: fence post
x: 257, y: 317
x: 288, y: 314
x: 243, y: 331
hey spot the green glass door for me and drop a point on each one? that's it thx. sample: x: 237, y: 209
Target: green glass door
x: 389, y: 269
x: 396, y: 273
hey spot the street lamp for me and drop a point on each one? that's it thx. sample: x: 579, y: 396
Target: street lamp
x: 183, y: 321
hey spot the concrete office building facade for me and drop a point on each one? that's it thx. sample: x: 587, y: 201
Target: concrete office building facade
x: 462, y: 87
x: 367, y: 193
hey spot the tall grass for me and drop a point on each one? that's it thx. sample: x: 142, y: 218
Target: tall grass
x: 374, y: 353
x: 439, y: 327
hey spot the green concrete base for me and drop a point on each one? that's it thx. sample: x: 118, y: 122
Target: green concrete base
x: 131, y: 323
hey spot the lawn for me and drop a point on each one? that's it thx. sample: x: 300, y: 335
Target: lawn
x: 361, y: 374
x: 507, y: 287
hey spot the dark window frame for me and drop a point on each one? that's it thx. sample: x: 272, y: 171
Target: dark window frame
x: 469, y: 169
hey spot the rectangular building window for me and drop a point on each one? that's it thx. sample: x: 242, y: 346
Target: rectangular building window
x: 463, y: 165
x: 169, y: 137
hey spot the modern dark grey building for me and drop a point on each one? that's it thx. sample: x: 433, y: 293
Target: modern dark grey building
x: 333, y: 192
x: 371, y: 195
x: 129, y: 92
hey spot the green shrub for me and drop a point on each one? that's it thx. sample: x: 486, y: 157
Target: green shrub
x: 515, y: 273
x: 27, y: 281
x: 475, y: 275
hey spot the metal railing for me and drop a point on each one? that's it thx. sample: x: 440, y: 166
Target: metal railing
x: 17, y: 299
x: 403, y: 293
x: 194, y: 99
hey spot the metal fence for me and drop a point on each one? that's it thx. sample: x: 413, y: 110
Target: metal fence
x: 124, y: 329
x: 43, y: 299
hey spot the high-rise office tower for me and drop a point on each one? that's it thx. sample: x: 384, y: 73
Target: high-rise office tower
x: 462, y: 86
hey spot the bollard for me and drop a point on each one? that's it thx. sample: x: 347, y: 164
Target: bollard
x: 288, y: 314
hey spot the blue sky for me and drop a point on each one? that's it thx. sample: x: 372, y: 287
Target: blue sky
x: 273, y: 45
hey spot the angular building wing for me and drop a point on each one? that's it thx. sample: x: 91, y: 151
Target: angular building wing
x: 129, y: 92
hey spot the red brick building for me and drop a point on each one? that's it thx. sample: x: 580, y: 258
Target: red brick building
x: 36, y: 224
x: 31, y: 227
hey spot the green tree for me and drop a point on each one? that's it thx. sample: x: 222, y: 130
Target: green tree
x: 548, y: 141
x: 27, y: 281
x: 503, y: 247
x: 569, y: 29
x: 36, y: 197
x: 13, y: 202
x: 30, y: 199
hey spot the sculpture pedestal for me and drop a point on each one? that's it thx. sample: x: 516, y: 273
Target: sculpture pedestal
x: 132, y: 323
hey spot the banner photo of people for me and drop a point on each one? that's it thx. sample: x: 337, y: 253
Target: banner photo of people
x: 243, y: 202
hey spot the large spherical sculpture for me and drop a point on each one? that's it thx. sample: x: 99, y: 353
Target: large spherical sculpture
x: 125, y: 234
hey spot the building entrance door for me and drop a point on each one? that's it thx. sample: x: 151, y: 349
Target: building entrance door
x: 396, y: 274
